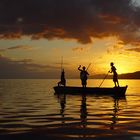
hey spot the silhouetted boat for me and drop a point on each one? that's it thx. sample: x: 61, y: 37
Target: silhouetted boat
x: 118, y: 91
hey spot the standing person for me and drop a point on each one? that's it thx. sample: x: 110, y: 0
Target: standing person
x: 63, y: 80
x: 83, y: 75
x: 115, y: 75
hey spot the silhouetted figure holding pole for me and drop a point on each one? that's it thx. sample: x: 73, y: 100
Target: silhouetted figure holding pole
x: 63, y: 80
x: 83, y: 75
x: 115, y: 75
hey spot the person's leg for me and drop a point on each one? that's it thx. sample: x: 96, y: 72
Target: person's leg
x: 115, y: 84
x: 64, y: 83
x: 85, y: 84
x: 118, y: 83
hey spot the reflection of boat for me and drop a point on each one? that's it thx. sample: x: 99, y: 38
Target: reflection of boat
x: 119, y: 91
x: 91, y: 115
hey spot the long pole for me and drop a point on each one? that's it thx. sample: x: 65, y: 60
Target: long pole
x: 104, y: 79
x: 88, y: 66
x: 61, y: 63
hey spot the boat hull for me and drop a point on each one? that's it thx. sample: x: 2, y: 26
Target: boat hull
x: 119, y: 91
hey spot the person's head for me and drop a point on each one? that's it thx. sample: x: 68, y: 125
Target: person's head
x: 84, y: 67
x: 111, y: 64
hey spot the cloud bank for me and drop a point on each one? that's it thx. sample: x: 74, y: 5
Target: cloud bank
x: 26, y: 69
x: 19, y: 47
x: 71, y: 19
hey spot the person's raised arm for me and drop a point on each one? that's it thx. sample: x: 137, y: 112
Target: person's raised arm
x: 79, y: 68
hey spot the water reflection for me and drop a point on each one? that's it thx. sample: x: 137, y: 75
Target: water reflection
x: 115, y: 113
x: 83, y: 111
x: 115, y: 108
x: 63, y: 104
x: 62, y: 101
x: 26, y: 105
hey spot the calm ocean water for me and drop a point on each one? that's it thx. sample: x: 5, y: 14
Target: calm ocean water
x: 30, y: 105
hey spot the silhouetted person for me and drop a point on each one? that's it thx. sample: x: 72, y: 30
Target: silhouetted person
x: 83, y: 75
x: 115, y: 75
x: 63, y: 80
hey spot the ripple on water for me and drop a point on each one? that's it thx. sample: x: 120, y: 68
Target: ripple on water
x: 28, y: 105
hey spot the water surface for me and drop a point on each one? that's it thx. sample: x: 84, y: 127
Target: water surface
x: 30, y: 106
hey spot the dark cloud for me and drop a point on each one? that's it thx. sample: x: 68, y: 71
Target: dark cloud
x: 78, y: 19
x: 22, y: 47
x: 26, y: 69
x: 80, y: 49
x: 19, y: 47
x: 134, y: 49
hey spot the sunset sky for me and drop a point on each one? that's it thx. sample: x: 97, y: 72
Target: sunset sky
x: 36, y: 34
